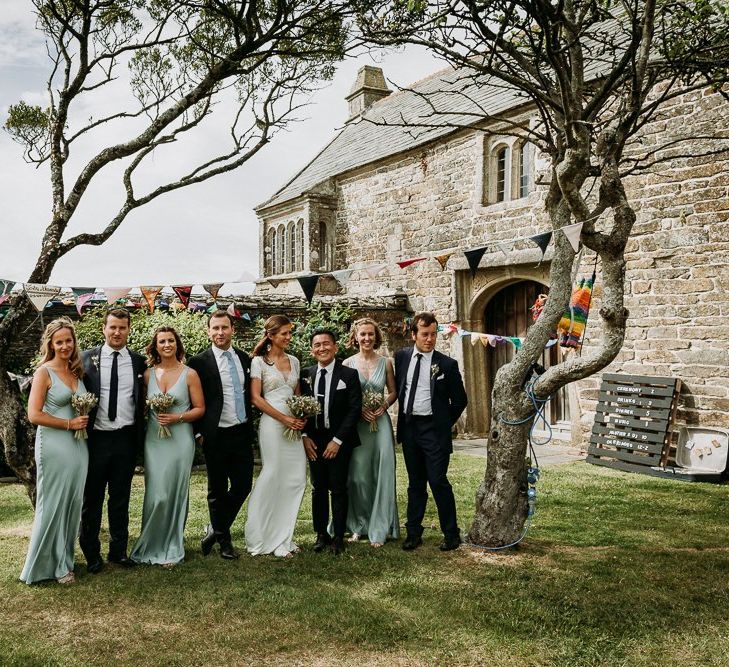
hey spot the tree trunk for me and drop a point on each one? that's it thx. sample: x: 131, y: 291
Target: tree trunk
x: 17, y: 434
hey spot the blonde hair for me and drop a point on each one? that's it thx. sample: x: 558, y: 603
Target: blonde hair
x: 47, y: 351
x: 352, y: 340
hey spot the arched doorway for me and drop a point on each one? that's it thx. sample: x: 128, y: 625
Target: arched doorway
x: 507, y: 314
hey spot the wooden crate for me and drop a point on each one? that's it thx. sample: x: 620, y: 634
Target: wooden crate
x: 633, y: 424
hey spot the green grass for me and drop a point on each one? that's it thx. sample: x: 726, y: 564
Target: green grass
x: 618, y: 569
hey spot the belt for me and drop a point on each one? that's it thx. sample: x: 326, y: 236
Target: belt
x: 233, y: 429
x: 419, y: 417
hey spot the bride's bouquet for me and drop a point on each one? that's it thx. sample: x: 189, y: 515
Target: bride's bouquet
x: 83, y: 404
x: 161, y: 404
x: 302, y: 407
x: 373, y: 400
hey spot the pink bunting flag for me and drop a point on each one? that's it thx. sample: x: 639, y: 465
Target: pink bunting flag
x: 113, y: 294
x: 4, y: 298
x: 375, y: 270
x: 407, y: 262
x: 233, y: 311
x: 572, y: 232
x: 150, y: 292
x: 492, y: 340
x: 82, y: 300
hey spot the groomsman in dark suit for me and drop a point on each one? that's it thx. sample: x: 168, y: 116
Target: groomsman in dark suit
x: 225, y: 431
x: 115, y: 375
x: 330, y: 436
x: 431, y: 398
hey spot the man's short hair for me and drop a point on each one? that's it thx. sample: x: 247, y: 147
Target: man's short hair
x: 319, y: 332
x: 119, y: 313
x: 425, y: 319
x: 221, y: 313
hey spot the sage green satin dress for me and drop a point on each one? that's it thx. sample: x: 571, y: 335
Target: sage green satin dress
x: 61, y: 464
x: 167, y: 465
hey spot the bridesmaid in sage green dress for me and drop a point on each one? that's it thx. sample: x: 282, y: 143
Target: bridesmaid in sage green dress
x: 61, y: 459
x: 167, y: 461
x: 372, y: 500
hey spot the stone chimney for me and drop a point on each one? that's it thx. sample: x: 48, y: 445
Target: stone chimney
x: 369, y: 87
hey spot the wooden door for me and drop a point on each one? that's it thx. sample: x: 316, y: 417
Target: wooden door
x: 508, y: 314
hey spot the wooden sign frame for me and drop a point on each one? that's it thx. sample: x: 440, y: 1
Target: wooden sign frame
x: 634, y: 420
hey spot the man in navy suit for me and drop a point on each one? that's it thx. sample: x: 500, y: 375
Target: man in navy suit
x: 115, y: 375
x: 431, y: 398
x: 225, y: 430
x: 330, y: 436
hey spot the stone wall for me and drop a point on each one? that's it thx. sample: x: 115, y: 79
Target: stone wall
x: 677, y: 290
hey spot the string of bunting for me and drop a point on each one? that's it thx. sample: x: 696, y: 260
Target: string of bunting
x: 473, y: 256
x: 485, y: 339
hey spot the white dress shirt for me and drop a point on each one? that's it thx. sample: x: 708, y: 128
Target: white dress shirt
x: 125, y: 394
x: 328, y: 385
x: 422, y: 405
x: 228, y: 415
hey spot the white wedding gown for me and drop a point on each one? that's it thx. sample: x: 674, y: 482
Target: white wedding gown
x: 276, y: 498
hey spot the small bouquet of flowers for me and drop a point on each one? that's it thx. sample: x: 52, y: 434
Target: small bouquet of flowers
x: 302, y: 407
x: 83, y: 404
x: 373, y: 400
x: 160, y: 404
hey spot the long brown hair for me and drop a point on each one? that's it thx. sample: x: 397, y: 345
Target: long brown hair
x: 151, y: 350
x: 46, y: 347
x: 271, y: 326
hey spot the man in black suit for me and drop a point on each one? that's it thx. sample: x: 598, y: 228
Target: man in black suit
x: 225, y: 431
x: 330, y: 436
x: 115, y: 375
x: 431, y: 398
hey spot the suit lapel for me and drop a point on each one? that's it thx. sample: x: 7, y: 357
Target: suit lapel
x: 214, y: 370
x: 435, y: 361
x: 336, y: 371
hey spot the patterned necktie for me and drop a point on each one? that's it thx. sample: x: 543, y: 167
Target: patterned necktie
x: 113, y: 387
x: 413, y: 385
x: 321, y: 391
x: 240, y: 406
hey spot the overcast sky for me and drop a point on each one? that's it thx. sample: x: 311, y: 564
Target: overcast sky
x: 205, y: 233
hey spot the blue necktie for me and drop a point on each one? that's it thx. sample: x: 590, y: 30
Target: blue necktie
x: 240, y: 406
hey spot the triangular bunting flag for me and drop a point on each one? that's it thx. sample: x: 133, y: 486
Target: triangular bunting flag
x: 463, y: 333
x: 247, y: 316
x: 375, y: 270
x: 443, y: 260
x: 492, y: 340
x: 233, y: 311
x: 40, y: 294
x: 407, y: 262
x: 474, y: 337
x: 183, y: 293
x: 484, y: 339
x: 6, y: 286
x: 542, y: 240
x: 308, y: 285
x: 113, y: 294
x: 572, y: 232
x: 342, y: 276
x: 245, y: 277
x: 150, y: 292
x: 213, y: 288
x: 474, y: 257
x: 82, y: 296
x: 274, y: 282
x: 515, y: 341
x: 4, y: 298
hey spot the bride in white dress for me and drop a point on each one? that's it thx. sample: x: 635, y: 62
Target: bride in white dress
x: 276, y: 498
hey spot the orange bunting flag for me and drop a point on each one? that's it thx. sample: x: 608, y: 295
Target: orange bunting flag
x: 443, y: 260
x: 150, y: 294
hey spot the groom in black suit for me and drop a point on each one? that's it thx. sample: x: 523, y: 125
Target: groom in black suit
x: 330, y: 436
x: 431, y: 398
x: 115, y: 375
x: 225, y: 430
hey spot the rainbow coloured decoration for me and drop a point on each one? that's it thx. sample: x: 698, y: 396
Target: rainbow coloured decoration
x: 572, y: 325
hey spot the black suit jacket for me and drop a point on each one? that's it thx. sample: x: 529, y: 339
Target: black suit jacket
x: 206, y: 367
x: 345, y: 404
x: 91, y: 360
x: 447, y: 396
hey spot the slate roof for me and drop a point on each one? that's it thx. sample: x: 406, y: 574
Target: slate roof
x: 362, y: 142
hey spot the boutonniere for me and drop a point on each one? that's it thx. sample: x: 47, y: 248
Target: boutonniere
x: 95, y: 362
x: 434, y: 371
x: 307, y: 380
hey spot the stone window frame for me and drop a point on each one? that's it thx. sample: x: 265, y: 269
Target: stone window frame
x: 324, y: 246
x: 514, y: 150
x: 291, y: 247
x: 269, y: 251
x: 279, y: 265
x: 300, y: 243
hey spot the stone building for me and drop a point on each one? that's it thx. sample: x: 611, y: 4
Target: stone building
x: 384, y: 193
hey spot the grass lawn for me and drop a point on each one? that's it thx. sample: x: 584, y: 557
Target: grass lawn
x: 618, y: 569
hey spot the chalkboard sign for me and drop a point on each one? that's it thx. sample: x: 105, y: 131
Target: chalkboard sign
x: 633, y: 420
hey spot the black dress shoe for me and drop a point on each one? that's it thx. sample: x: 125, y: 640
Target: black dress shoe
x: 337, y: 546
x: 412, y: 542
x: 124, y: 561
x: 450, y: 543
x: 95, y: 566
x: 322, y: 542
x: 207, y: 542
x: 228, y: 552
